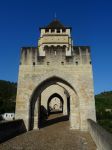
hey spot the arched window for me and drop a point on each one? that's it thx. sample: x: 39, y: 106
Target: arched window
x: 46, y: 47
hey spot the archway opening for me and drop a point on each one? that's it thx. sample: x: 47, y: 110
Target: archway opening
x: 55, y: 104
x: 35, y: 102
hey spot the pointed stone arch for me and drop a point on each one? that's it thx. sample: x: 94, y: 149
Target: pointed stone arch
x: 52, y: 96
x: 74, y: 114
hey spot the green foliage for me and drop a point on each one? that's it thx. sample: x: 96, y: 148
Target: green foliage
x: 103, y: 102
x: 7, y: 96
x: 107, y: 124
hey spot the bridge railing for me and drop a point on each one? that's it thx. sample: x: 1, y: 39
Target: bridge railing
x: 10, y: 129
x: 101, y: 137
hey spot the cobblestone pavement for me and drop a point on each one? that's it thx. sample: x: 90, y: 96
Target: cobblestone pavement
x: 54, y: 137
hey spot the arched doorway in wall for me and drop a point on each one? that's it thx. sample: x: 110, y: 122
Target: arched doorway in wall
x: 55, y: 104
x: 36, y: 99
x: 53, y: 113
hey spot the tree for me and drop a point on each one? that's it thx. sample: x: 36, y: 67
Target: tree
x: 7, y: 96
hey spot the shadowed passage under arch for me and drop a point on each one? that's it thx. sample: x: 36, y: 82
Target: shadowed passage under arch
x: 36, y: 98
x: 53, y: 109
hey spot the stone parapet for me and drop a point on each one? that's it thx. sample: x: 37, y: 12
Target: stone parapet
x: 101, y: 137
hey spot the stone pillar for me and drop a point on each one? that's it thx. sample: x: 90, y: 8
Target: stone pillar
x: 80, y: 54
x: 87, y: 56
x: 36, y: 115
x: 68, y: 51
x: 65, y: 106
x: 74, y: 113
x: 39, y: 111
x: 24, y: 52
x: 41, y: 50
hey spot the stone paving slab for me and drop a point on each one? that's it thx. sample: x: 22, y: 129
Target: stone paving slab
x: 54, y: 137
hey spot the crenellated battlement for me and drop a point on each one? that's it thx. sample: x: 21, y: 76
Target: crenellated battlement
x: 55, y: 55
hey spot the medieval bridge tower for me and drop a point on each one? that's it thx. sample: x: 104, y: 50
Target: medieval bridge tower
x: 55, y: 76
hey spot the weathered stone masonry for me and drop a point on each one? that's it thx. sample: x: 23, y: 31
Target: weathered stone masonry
x: 55, y: 66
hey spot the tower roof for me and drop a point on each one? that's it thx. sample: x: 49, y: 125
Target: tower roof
x: 55, y: 24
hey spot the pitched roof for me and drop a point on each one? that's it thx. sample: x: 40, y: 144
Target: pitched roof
x: 55, y: 24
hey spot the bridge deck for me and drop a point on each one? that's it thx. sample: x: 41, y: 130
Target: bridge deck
x: 54, y: 137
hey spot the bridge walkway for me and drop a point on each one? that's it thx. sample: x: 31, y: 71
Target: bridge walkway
x: 56, y: 136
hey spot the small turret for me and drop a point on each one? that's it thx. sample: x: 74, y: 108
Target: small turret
x: 55, y: 35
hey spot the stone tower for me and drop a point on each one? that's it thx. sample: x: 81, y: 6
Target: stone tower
x: 55, y: 76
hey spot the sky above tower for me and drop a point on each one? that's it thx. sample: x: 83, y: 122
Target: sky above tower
x: 91, y: 22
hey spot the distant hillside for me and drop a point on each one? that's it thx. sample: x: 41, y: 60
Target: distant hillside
x: 103, y: 104
x: 107, y: 94
x: 103, y: 101
x: 7, y: 96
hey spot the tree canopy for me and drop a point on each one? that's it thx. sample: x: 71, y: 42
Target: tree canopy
x: 7, y: 96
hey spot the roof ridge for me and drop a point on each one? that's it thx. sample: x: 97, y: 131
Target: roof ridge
x: 55, y: 24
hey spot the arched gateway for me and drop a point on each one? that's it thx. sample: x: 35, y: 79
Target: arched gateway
x: 55, y: 103
x: 55, y: 68
x: 36, y: 97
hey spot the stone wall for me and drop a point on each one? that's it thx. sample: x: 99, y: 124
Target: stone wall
x: 101, y: 137
x: 55, y: 61
x: 76, y: 70
x: 55, y: 39
x: 79, y: 77
x: 55, y: 56
x: 11, y: 129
